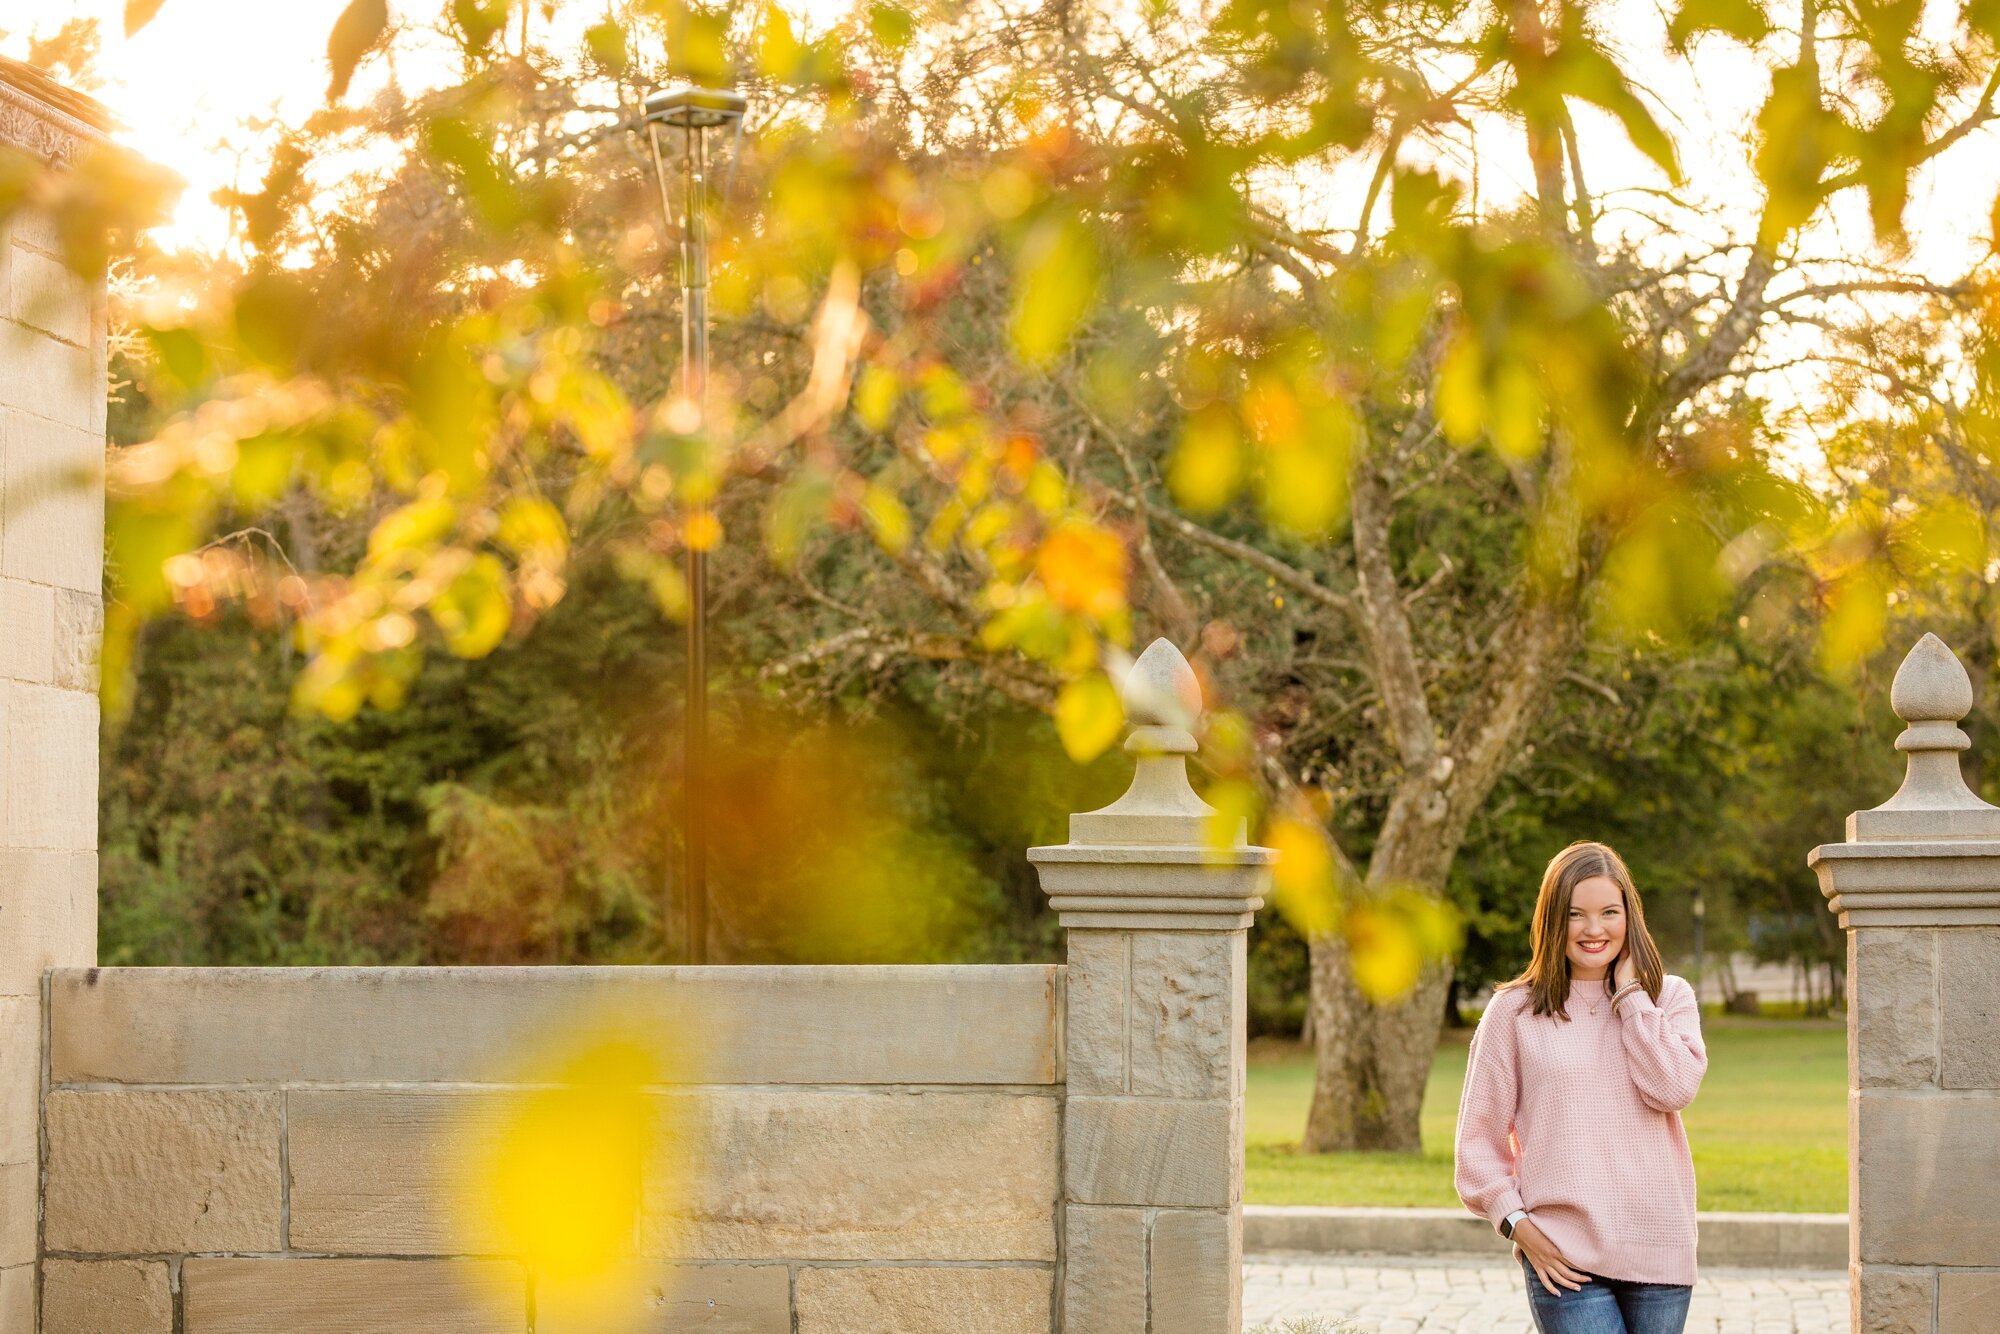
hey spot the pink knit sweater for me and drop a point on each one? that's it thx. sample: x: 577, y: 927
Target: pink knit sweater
x: 1579, y: 1123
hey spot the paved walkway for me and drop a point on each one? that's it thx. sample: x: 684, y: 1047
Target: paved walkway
x: 1386, y: 1294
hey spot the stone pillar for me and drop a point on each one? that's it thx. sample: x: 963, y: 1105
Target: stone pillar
x: 1917, y: 888
x: 1157, y: 908
x: 51, y: 609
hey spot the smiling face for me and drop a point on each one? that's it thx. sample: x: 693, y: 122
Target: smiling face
x: 1596, y: 927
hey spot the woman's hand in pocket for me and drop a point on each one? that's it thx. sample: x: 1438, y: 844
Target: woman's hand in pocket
x: 1548, y: 1262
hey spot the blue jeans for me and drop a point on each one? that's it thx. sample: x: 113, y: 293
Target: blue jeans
x: 1608, y: 1306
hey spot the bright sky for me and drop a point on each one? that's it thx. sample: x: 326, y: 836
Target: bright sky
x: 188, y: 83
x: 184, y: 86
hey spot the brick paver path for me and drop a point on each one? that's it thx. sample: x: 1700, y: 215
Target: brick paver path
x: 1386, y: 1294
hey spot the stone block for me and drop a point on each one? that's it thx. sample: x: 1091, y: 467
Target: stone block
x: 55, y: 496
x: 921, y: 1300
x: 47, y: 296
x: 151, y: 1173
x: 287, y: 1296
x: 79, y: 637
x: 36, y: 229
x: 51, y: 774
x: 758, y: 1025
x: 27, y: 631
x: 1749, y: 1239
x: 1892, y: 1007
x: 1104, y: 1270
x: 1096, y: 1037
x: 1197, y: 1272
x: 1923, y: 1177
x: 20, y: 1078
x: 18, y: 1213
x: 43, y: 377
x: 384, y: 1172
x: 845, y: 1175
x: 1968, y: 1301
x: 1150, y: 1151
x: 1969, y: 1008
x: 1884, y: 1300
x: 648, y: 1298
x: 1186, y: 1012
x: 103, y: 1296
x: 48, y: 903
x: 17, y: 1300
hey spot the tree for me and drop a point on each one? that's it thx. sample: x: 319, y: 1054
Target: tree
x: 1044, y: 304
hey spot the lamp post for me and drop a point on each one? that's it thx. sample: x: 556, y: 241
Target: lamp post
x: 1700, y: 910
x: 694, y: 112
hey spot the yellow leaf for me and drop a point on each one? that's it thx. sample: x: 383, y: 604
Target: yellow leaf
x: 1515, y: 410
x: 875, y: 395
x: 702, y: 531
x: 1083, y: 568
x: 531, y: 526
x: 420, y: 523
x: 1383, y: 953
x: 1304, y: 486
x: 1946, y: 532
x: 475, y: 610
x: 1055, y: 281
x: 780, y: 52
x: 887, y: 518
x: 1046, y: 490
x: 1088, y: 716
x: 554, y: 1173
x: 1302, y: 881
x: 1460, y: 391
x: 1207, y: 465
x: 1236, y: 804
x: 1856, y: 622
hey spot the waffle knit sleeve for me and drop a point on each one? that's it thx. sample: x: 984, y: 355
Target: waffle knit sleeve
x: 1663, y: 1046
x: 1485, y: 1166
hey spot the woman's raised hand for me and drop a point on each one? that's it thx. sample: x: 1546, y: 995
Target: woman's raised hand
x: 1623, y: 969
x: 1549, y: 1264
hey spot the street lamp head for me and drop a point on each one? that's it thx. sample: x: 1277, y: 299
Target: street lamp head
x: 1699, y: 908
x: 694, y: 108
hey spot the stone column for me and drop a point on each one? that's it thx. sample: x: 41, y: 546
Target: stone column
x: 51, y: 610
x: 1157, y: 908
x: 1917, y: 888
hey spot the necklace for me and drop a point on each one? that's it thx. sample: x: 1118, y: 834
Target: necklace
x: 1588, y: 1007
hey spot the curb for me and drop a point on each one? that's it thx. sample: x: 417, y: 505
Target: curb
x: 1728, y: 1240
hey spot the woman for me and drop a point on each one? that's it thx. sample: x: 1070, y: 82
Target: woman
x: 1569, y: 1129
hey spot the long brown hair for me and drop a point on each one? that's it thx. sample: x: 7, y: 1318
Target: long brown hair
x: 1547, y: 974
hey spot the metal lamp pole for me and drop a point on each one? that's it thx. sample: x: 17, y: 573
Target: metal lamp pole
x: 693, y: 111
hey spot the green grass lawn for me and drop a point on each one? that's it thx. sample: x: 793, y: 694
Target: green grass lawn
x: 1768, y: 1130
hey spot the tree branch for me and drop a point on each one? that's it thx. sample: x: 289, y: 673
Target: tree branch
x: 1385, y: 628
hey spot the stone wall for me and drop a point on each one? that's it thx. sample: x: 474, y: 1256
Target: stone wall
x: 235, y: 1149
x: 52, y: 400
x: 821, y: 1151
x: 1916, y: 884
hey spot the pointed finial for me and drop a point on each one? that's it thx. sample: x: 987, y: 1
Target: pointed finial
x: 1159, y: 858
x: 1162, y: 690
x: 1931, y: 693
x: 1931, y: 686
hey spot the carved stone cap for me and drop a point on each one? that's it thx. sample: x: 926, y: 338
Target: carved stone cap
x: 1931, y: 693
x: 1930, y: 855
x: 42, y: 117
x: 1151, y: 860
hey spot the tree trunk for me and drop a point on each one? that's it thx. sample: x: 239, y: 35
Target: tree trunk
x: 1373, y: 1061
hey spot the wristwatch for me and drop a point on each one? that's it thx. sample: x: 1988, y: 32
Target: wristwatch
x: 1507, y: 1224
